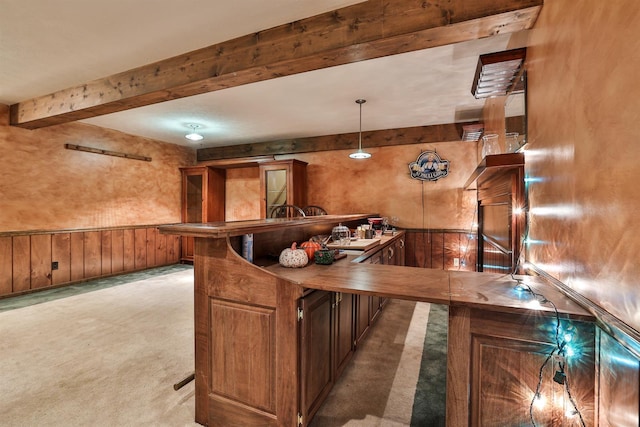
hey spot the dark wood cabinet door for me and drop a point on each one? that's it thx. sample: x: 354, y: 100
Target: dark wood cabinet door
x: 344, y: 345
x: 363, y: 320
x: 316, y: 351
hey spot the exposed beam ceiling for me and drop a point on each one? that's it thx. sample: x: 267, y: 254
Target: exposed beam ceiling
x: 381, y: 138
x: 363, y: 31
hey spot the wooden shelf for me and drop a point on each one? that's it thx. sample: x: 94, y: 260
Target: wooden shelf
x: 493, y: 163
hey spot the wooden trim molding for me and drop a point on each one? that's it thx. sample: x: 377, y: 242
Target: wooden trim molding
x: 617, y: 329
x: 366, y: 30
x: 75, y: 230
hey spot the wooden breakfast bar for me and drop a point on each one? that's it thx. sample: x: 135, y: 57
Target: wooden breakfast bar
x: 269, y: 340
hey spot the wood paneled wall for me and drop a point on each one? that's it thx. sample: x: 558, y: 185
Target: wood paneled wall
x: 26, y: 258
x: 440, y: 248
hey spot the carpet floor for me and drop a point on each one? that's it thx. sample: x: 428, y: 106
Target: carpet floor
x: 107, y: 353
x: 108, y: 357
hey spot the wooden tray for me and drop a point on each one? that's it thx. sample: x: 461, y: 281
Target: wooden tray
x: 358, y: 245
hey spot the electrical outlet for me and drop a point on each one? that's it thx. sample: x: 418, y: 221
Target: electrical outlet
x: 456, y: 262
x: 54, y: 265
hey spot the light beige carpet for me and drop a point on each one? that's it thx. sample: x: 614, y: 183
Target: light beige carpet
x: 104, y: 358
x: 110, y: 358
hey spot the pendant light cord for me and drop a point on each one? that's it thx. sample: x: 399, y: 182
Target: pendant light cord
x: 360, y: 134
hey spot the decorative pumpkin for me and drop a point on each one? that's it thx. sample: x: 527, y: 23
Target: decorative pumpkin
x: 293, y: 257
x: 310, y: 247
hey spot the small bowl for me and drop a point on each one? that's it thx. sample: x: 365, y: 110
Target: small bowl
x: 324, y: 256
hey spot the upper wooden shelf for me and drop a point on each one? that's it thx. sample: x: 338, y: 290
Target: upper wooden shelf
x: 493, y: 163
x: 238, y: 228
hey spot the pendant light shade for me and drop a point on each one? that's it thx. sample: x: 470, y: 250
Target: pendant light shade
x: 360, y: 154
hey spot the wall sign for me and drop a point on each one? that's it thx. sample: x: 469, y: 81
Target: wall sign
x: 429, y: 167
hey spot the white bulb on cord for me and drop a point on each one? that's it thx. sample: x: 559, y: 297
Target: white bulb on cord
x: 360, y: 155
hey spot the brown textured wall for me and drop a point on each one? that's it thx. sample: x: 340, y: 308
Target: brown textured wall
x: 45, y: 186
x: 582, y: 162
x: 242, y: 194
x: 382, y: 184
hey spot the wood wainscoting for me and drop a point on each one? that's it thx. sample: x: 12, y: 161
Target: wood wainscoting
x: 440, y: 249
x: 27, y: 258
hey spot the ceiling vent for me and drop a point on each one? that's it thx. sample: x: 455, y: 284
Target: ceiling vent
x: 498, y: 74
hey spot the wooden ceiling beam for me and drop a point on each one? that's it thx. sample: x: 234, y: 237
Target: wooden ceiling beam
x: 367, y: 30
x: 345, y: 141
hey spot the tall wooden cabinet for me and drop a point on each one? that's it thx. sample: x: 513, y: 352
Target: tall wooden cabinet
x: 203, y: 196
x: 282, y: 182
x: 499, y: 180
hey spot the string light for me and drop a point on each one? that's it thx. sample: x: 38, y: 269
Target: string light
x: 561, y: 349
x: 561, y: 339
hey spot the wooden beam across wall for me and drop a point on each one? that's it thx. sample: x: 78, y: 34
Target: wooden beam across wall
x: 367, y: 30
x: 345, y: 141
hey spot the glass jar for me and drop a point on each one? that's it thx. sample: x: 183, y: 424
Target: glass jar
x: 513, y: 144
x: 490, y: 145
x: 341, y: 234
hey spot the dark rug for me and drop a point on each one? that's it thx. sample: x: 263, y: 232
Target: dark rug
x: 429, y: 403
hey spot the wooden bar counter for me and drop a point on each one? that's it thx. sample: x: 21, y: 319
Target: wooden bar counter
x: 251, y: 358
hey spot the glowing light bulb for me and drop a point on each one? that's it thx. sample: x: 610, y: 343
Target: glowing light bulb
x: 534, y: 304
x: 539, y: 401
x: 568, y: 337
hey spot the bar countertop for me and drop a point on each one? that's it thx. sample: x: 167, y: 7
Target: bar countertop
x: 486, y: 291
x: 238, y: 228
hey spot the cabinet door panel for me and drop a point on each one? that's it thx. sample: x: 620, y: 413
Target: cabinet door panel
x: 282, y: 182
x: 316, y: 342
x: 362, y: 305
x: 343, y: 331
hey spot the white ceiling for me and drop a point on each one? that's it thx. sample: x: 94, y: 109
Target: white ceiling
x: 51, y: 45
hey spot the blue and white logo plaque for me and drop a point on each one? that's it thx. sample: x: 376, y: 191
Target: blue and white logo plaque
x: 429, y: 167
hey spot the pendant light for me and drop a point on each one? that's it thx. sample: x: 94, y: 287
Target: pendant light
x: 194, y: 136
x: 360, y: 154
